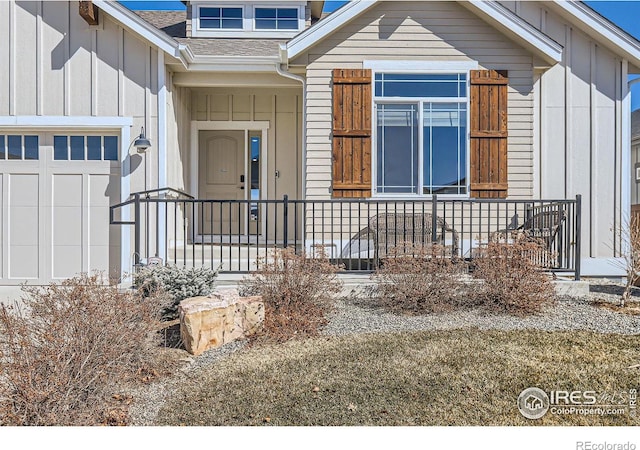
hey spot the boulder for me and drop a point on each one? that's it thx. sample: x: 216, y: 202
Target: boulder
x: 221, y: 317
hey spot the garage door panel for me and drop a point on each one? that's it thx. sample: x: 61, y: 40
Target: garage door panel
x: 67, y: 190
x: 23, y: 190
x: 67, y: 225
x: 67, y: 261
x: 23, y: 261
x: 23, y: 225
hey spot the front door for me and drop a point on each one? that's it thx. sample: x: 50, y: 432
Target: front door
x: 221, y: 175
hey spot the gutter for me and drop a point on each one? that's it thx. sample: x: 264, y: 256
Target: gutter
x: 303, y: 82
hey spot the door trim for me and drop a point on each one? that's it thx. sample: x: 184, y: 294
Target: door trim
x: 246, y: 127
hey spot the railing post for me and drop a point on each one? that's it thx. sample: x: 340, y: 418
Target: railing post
x: 285, y: 226
x: 136, y: 233
x: 434, y: 219
x: 578, y: 235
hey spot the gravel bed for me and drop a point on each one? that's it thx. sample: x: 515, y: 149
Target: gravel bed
x: 357, y: 314
x: 143, y: 413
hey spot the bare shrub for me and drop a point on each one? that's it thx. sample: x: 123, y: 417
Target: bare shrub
x: 629, y: 237
x: 420, y: 279
x: 513, y: 280
x: 296, y: 291
x: 66, y: 347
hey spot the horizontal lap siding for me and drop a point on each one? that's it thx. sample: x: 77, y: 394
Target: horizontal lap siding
x: 423, y: 31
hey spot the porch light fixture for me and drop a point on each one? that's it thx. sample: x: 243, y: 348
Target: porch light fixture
x: 142, y: 143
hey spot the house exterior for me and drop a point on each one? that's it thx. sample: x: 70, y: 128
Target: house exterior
x: 246, y: 101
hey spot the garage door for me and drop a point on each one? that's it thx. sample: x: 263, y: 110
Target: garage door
x: 55, y: 192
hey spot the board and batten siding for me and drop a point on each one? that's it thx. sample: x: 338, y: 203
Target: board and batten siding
x: 581, y: 136
x: 419, y: 31
x: 55, y: 64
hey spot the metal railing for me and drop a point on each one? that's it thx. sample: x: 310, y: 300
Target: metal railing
x: 357, y: 233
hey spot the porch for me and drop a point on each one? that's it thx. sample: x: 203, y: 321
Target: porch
x: 172, y: 227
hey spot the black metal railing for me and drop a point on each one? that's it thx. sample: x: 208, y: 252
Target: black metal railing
x: 357, y: 233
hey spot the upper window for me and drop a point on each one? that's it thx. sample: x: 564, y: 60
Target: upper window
x: 249, y: 19
x: 421, y: 133
x: 276, y: 19
x: 19, y: 147
x: 221, y: 18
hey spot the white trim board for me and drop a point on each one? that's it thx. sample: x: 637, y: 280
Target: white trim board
x: 65, y: 121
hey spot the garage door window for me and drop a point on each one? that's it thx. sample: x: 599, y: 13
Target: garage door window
x: 18, y: 147
x: 85, y: 148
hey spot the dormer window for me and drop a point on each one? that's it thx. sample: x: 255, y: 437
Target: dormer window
x: 221, y: 18
x: 250, y: 19
x: 276, y: 19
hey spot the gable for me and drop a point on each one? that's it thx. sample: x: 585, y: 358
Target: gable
x: 419, y: 31
x: 491, y: 12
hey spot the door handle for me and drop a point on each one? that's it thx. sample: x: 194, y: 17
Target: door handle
x: 241, y: 178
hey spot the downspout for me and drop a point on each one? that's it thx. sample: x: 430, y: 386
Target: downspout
x: 303, y: 81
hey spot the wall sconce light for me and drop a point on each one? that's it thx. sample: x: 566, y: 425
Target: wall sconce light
x: 142, y: 143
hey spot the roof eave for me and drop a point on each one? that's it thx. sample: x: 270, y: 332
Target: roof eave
x: 140, y: 27
x: 325, y: 27
x: 612, y: 36
x: 517, y: 29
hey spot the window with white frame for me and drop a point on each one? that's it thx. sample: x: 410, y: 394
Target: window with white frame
x: 19, y: 147
x: 85, y: 148
x: 220, y: 18
x: 421, y: 133
x: 276, y: 19
x: 248, y: 19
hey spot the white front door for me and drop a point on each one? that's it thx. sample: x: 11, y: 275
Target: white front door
x: 221, y: 177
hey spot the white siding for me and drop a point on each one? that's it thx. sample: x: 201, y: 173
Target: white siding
x: 424, y: 31
x: 580, y: 127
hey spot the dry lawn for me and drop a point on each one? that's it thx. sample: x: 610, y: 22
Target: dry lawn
x: 460, y: 377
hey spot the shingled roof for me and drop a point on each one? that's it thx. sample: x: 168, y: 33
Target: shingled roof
x: 174, y: 24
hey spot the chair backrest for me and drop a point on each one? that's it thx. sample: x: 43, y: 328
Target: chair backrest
x: 394, y: 229
x: 545, y: 223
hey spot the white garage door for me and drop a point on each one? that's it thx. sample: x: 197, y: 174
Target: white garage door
x: 55, y: 192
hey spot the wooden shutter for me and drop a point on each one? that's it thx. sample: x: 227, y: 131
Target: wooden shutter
x: 488, y: 132
x: 351, y: 133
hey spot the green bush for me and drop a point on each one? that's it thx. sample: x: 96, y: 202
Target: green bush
x: 177, y: 283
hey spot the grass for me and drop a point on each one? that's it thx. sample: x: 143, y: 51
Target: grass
x: 459, y: 377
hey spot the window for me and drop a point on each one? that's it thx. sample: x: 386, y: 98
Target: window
x: 19, y: 147
x: 276, y: 19
x: 421, y: 133
x: 85, y: 148
x: 221, y: 18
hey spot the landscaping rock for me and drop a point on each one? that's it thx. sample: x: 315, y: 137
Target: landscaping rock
x: 221, y: 317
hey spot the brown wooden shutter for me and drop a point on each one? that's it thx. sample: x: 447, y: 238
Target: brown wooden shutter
x: 488, y: 144
x: 351, y: 133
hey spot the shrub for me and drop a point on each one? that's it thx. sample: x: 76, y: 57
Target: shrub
x: 177, y: 283
x: 65, y: 347
x: 420, y: 279
x: 513, y: 280
x: 296, y: 291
